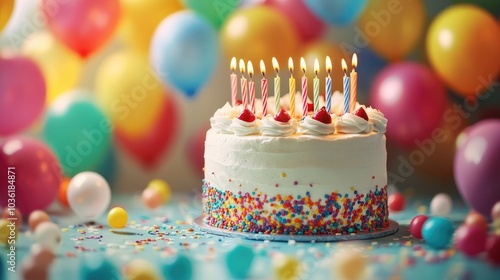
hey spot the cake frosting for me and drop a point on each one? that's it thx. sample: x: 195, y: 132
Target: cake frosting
x: 352, y: 124
x: 272, y: 127
x: 314, y: 127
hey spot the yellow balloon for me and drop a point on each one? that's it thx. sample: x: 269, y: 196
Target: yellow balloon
x: 141, y: 17
x: 60, y: 66
x: 392, y: 28
x: 6, y: 7
x: 129, y: 92
x: 463, y: 46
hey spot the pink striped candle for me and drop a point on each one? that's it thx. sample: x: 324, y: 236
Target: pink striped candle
x: 234, y: 82
x: 244, y: 87
x: 251, y: 87
x: 354, y: 83
x: 263, y: 86
x: 304, y: 88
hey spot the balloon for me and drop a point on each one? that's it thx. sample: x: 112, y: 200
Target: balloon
x: 107, y: 168
x: 369, y: 65
x: 129, y: 92
x: 61, y: 67
x: 492, y: 6
x: 22, y: 94
x: 305, y: 23
x: 148, y: 149
x: 259, y: 33
x: 97, y: 267
x: 215, y: 11
x: 6, y: 7
x: 476, y: 166
x: 184, y: 51
x: 141, y: 17
x: 338, y: 12
x: 35, y: 189
x: 195, y: 150
x: 412, y: 98
x: 82, y: 25
x: 88, y: 195
x: 392, y: 28
x: 78, y: 132
x: 181, y: 268
x: 465, y: 53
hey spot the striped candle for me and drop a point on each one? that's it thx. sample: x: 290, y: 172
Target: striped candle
x: 276, y: 86
x: 263, y: 86
x: 346, y: 88
x: 234, y: 83
x: 251, y: 87
x: 291, y: 85
x: 354, y: 83
x: 244, y: 87
x: 328, y: 85
x: 316, y: 85
x: 304, y: 88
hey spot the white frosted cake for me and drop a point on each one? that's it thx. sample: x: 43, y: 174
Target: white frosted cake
x: 323, y: 174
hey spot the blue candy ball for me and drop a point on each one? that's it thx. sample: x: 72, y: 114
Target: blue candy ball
x: 180, y: 269
x: 239, y: 260
x: 437, y: 232
x: 97, y: 267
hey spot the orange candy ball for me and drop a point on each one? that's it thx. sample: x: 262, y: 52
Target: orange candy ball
x: 63, y: 190
x: 476, y: 219
x: 151, y: 198
x: 37, y: 217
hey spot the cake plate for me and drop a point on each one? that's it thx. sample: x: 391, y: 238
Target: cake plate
x: 391, y: 229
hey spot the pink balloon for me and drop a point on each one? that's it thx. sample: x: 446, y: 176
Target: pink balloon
x: 413, y: 100
x: 83, y: 25
x: 35, y: 174
x: 476, y: 166
x: 22, y: 94
x: 306, y: 24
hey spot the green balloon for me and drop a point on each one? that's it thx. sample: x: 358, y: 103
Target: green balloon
x: 215, y: 11
x: 78, y: 133
x: 492, y: 6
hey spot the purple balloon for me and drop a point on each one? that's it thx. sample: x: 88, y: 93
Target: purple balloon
x: 413, y: 100
x: 22, y: 94
x: 476, y: 166
x: 32, y: 169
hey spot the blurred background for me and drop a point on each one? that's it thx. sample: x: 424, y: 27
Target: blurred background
x: 126, y: 87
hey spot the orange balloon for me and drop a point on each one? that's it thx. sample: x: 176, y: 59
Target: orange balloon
x: 63, y: 190
x: 259, y: 33
x: 463, y: 46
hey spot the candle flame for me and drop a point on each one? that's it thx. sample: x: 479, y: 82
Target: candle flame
x: 233, y: 64
x: 303, y: 65
x: 344, y: 66
x: 316, y: 66
x: 290, y: 64
x: 328, y: 65
x: 262, y: 68
x: 354, y: 61
x: 242, y: 66
x: 250, y: 69
x: 276, y: 66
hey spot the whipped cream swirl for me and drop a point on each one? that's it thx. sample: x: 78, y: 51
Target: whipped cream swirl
x: 222, y: 119
x: 352, y: 124
x: 272, y: 127
x: 377, y: 119
x: 242, y: 128
x: 314, y: 127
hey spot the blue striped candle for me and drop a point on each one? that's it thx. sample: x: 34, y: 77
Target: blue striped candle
x: 347, y: 88
x: 328, y: 85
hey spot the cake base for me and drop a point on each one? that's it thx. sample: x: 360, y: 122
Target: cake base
x: 391, y: 229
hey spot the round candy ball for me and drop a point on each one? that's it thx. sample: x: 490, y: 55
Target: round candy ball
x: 350, y: 265
x: 7, y: 213
x: 286, y: 267
x: 162, y: 188
x: 88, y: 195
x: 437, y: 232
x: 6, y: 232
x: 140, y: 269
x: 48, y: 235
x: 476, y: 219
x: 117, y: 217
x: 396, y: 202
x: 239, y: 260
x: 180, y: 268
x: 95, y: 266
x: 63, y: 192
x: 470, y: 239
x: 441, y: 205
x: 151, y: 198
x: 493, y: 249
x: 416, y: 225
x: 37, y: 217
x: 42, y: 255
x: 495, y: 211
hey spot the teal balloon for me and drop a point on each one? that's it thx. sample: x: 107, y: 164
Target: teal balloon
x: 239, y: 261
x: 184, y: 51
x: 492, y: 6
x: 97, y: 267
x: 3, y: 269
x: 337, y: 12
x: 215, y: 11
x: 107, y: 168
x: 78, y: 132
x: 180, y: 268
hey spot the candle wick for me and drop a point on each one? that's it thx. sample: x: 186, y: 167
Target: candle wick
x: 316, y: 72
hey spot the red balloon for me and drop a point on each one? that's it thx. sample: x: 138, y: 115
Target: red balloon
x: 412, y: 98
x: 82, y: 25
x: 149, y: 148
x: 195, y: 150
x: 306, y: 24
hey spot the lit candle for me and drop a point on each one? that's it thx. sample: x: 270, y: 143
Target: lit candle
x: 328, y: 85
x: 251, y: 87
x: 304, y: 87
x: 346, y: 88
x: 316, y: 85
x: 234, y: 82
x: 354, y: 83
x: 276, y: 86
x: 291, y: 84
x: 244, y: 88
x: 263, y: 86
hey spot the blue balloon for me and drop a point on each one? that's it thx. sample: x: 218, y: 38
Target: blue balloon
x: 437, y: 232
x: 95, y: 266
x: 180, y: 269
x: 370, y: 65
x: 239, y: 260
x: 184, y: 51
x: 336, y: 12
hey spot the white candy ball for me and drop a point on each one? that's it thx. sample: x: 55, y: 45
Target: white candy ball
x: 441, y: 205
x: 48, y: 235
x: 88, y: 195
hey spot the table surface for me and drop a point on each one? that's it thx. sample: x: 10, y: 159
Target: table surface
x: 395, y: 255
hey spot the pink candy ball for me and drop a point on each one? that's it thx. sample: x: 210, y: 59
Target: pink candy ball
x: 495, y: 211
x: 396, y: 202
x: 471, y: 239
x: 37, y: 217
x: 151, y: 198
x: 416, y: 225
x: 493, y: 249
x: 6, y: 214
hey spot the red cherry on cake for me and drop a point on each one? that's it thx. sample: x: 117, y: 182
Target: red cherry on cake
x: 282, y: 116
x: 247, y: 116
x: 310, y: 107
x: 322, y: 116
x: 361, y: 113
x: 238, y: 102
